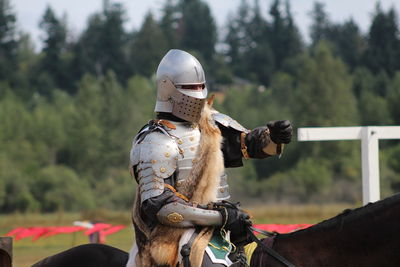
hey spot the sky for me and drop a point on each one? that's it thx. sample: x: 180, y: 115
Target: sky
x: 29, y: 12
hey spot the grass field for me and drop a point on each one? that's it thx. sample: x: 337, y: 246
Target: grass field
x: 26, y: 252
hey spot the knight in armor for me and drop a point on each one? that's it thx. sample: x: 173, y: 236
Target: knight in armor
x: 164, y: 153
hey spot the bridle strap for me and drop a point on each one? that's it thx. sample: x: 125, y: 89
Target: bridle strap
x: 263, y: 232
x: 267, y: 249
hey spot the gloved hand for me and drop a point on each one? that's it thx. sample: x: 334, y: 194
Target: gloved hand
x: 235, y: 220
x: 280, y: 131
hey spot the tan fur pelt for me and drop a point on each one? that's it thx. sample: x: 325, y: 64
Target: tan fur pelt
x: 204, y: 178
x: 199, y: 246
x: 200, y: 187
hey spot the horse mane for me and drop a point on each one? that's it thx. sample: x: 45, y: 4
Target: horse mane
x: 348, y: 216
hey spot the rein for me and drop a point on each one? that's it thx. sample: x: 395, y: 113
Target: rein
x: 249, y: 229
x: 267, y: 249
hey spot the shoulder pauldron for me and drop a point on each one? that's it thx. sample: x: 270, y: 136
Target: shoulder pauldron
x: 227, y: 121
x: 155, y: 156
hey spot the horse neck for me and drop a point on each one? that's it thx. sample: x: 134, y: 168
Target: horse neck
x: 359, y: 232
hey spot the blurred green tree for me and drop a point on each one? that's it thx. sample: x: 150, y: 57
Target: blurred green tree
x: 324, y: 97
x: 346, y: 38
x: 59, y: 188
x: 349, y: 43
x: 197, y: 29
x: 323, y: 90
x: 28, y: 68
x: 148, y: 47
x: 320, y: 23
x: 393, y: 98
x: 238, y: 40
x: 383, y: 48
x: 284, y: 39
x: 17, y: 191
x: 169, y: 23
x: 8, y: 41
x: 101, y: 47
x: 54, y: 61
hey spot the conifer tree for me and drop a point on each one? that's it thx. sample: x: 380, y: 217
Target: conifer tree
x: 101, y: 47
x: 237, y: 39
x: 53, y: 62
x: 148, y: 47
x: 383, y: 49
x: 169, y: 23
x: 320, y: 24
x: 197, y: 28
x: 8, y: 41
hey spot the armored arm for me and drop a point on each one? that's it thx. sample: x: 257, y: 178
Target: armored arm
x: 185, y: 215
x: 240, y: 142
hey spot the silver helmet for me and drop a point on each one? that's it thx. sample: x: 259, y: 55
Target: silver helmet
x: 177, y: 71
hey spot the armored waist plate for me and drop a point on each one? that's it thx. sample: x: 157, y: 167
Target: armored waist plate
x: 223, y: 189
x: 188, y: 141
x: 179, y: 215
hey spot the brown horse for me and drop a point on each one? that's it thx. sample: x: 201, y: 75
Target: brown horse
x: 5, y: 251
x: 88, y: 255
x: 367, y: 236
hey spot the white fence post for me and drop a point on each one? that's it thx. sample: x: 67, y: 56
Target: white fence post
x: 370, y: 165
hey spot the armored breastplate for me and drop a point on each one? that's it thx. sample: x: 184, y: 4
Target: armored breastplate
x: 188, y: 140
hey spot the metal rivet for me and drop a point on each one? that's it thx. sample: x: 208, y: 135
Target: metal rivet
x: 191, y: 138
x: 166, y: 154
x: 180, y: 141
x: 154, y: 161
x: 222, y: 190
x: 162, y: 169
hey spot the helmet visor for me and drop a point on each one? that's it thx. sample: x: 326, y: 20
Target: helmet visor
x: 186, y: 107
x: 198, y: 91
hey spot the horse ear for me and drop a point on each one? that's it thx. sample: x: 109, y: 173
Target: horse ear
x: 210, y: 100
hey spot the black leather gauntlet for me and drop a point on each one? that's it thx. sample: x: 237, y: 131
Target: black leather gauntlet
x: 234, y: 220
x: 280, y: 132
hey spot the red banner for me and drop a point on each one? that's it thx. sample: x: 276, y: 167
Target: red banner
x: 112, y: 230
x: 105, y: 229
x: 38, y: 232
x: 97, y: 227
x: 282, y: 228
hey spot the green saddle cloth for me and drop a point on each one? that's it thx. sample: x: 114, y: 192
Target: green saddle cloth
x: 219, y: 247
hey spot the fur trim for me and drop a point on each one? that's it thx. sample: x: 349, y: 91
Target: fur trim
x: 199, y: 247
x: 204, y: 178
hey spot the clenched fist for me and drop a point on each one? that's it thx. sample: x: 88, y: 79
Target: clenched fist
x: 280, y: 131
